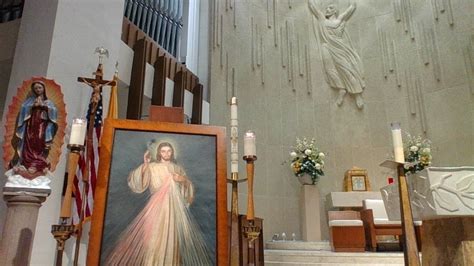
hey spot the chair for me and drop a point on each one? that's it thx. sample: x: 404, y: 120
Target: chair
x: 376, y: 223
x: 346, y: 231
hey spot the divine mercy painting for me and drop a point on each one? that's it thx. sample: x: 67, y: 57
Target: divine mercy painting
x: 161, y: 206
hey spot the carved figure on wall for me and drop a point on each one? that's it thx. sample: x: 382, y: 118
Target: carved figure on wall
x: 343, y: 68
x: 34, y: 135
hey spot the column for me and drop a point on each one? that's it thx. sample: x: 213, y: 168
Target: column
x: 310, y: 213
x: 20, y: 224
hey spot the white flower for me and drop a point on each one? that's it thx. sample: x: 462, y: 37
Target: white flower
x: 414, y: 148
x: 426, y: 150
x: 293, y: 154
x: 308, y: 152
x: 317, y: 166
x: 321, y: 155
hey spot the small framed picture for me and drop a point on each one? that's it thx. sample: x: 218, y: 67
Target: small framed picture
x: 356, y: 179
x: 358, y: 183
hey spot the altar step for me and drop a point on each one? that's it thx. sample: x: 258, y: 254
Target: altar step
x: 283, y: 253
x: 322, y: 257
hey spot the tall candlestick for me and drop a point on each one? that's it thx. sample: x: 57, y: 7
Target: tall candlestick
x: 249, y: 144
x: 250, y: 203
x: 397, y: 142
x: 78, y: 132
x: 234, y: 137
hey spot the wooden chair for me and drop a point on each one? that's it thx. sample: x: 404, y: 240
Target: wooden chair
x: 376, y: 223
x: 346, y: 231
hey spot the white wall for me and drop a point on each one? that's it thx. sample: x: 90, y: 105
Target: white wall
x: 57, y: 39
x: 279, y: 110
x: 8, y: 35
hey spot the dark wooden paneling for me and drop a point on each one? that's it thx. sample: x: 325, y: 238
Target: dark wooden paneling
x: 137, y: 81
x: 179, y: 85
x: 197, y: 104
x: 159, y: 82
x: 166, y: 114
x: 154, y: 54
x: 258, y: 256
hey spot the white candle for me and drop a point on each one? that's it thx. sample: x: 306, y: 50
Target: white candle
x: 78, y: 131
x: 234, y: 137
x: 233, y: 109
x: 397, y: 143
x: 249, y: 144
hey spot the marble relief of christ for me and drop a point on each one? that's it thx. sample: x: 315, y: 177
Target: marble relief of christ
x: 343, y: 68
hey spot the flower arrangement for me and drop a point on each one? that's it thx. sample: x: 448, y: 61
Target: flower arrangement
x: 307, y: 159
x: 418, y: 151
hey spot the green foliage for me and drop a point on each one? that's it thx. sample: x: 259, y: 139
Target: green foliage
x: 418, y: 151
x: 307, y: 158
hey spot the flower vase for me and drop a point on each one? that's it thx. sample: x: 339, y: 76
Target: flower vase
x: 305, y: 179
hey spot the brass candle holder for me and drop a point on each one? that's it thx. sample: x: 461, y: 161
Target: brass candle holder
x: 250, y: 230
x: 234, y: 237
x: 63, y: 231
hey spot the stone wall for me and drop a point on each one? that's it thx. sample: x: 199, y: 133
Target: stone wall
x: 418, y: 66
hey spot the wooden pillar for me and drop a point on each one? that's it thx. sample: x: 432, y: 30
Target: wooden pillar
x: 197, y: 104
x: 159, y: 81
x: 179, y: 87
x: 408, y: 228
x: 137, y: 81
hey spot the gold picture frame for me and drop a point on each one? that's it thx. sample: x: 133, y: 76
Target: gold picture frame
x: 199, y: 149
x: 356, y: 179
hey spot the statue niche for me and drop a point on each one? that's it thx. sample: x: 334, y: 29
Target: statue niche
x: 343, y: 68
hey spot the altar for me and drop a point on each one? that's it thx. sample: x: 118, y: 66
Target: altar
x: 350, y: 199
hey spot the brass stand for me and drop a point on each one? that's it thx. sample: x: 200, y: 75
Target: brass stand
x: 410, y: 250
x: 251, y: 231
x: 234, y: 236
x: 63, y: 231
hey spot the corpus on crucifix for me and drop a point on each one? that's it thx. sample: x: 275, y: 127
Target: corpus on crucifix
x: 97, y: 82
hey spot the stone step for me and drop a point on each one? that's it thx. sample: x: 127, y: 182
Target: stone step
x: 325, y: 257
x: 298, y: 245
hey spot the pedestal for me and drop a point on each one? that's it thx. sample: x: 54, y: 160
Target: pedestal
x: 20, y: 224
x: 448, y: 241
x: 310, y: 213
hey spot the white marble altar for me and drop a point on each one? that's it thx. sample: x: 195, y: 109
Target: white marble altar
x: 435, y: 192
x: 350, y: 199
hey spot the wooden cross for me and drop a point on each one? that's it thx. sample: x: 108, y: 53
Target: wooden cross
x: 96, y: 84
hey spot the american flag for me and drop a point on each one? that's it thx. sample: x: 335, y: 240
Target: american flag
x: 92, y: 160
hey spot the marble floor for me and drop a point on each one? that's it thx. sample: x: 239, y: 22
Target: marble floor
x: 319, y: 253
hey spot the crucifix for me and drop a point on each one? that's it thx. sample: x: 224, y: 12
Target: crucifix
x: 96, y: 84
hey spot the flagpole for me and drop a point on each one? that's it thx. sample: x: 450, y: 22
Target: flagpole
x: 85, y: 176
x: 113, y: 102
